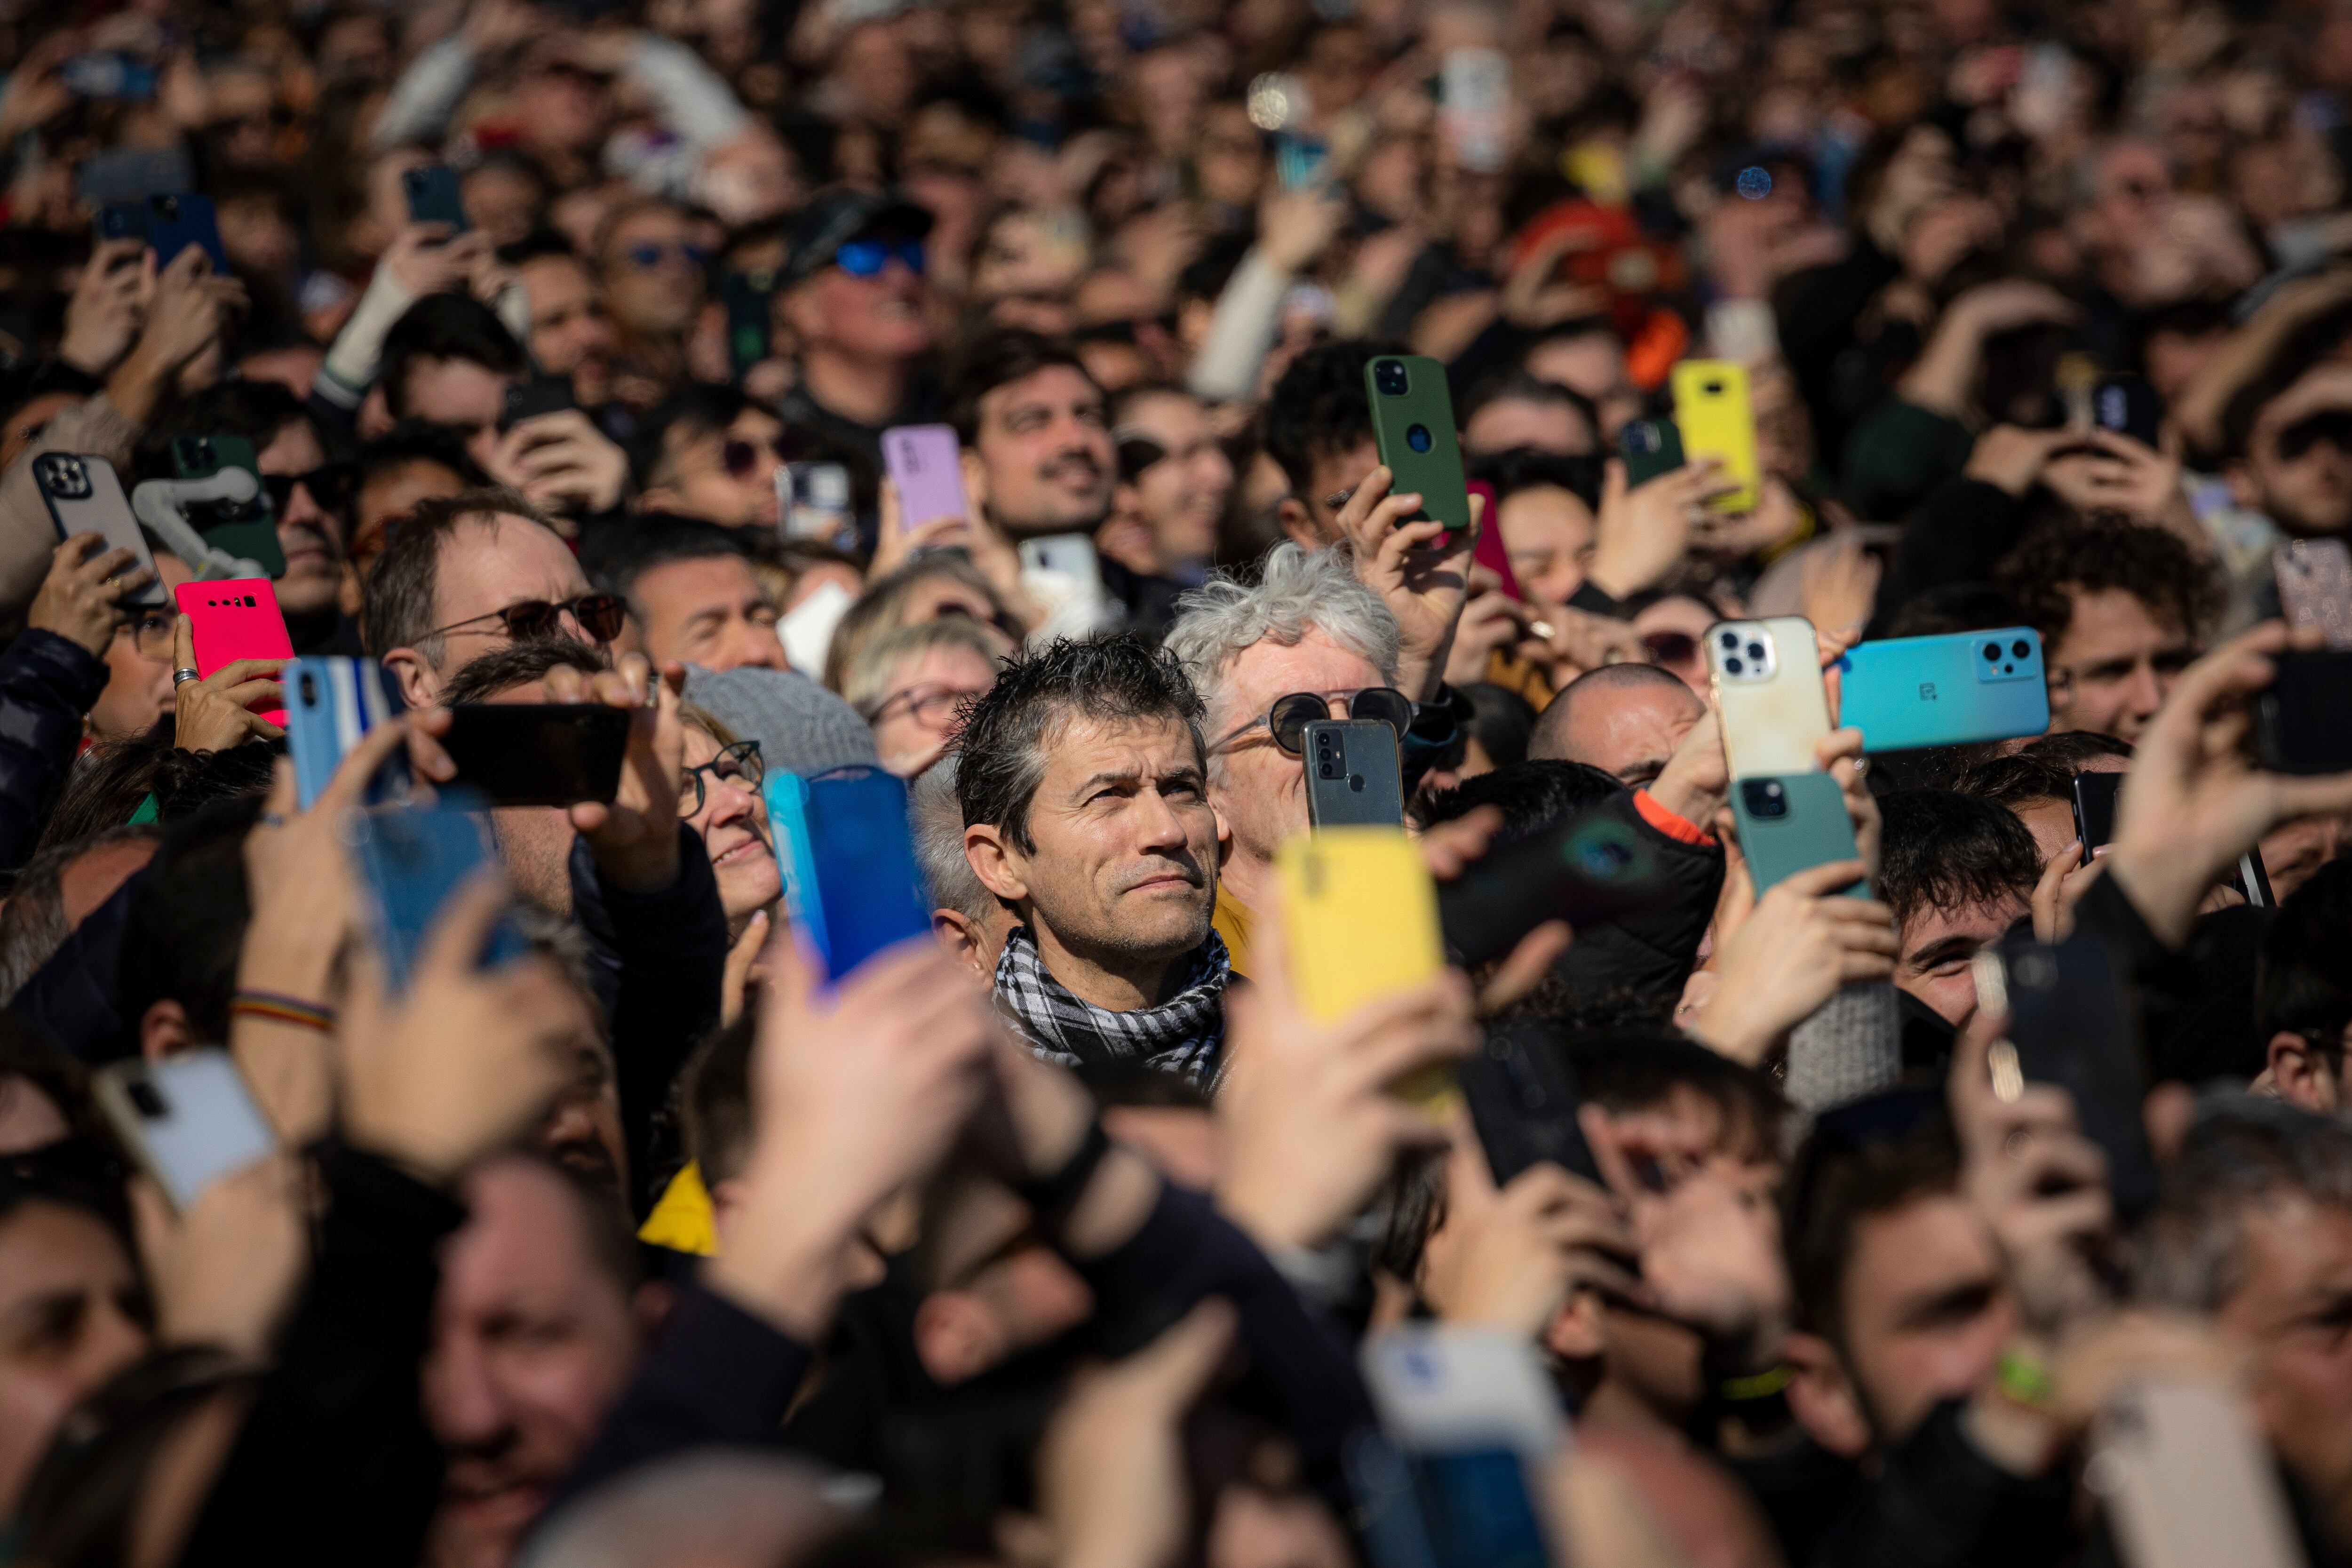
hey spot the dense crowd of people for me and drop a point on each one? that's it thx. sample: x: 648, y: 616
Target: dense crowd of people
x: 570, y: 341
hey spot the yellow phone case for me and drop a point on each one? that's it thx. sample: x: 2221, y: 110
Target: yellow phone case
x: 1712, y: 410
x: 1361, y: 913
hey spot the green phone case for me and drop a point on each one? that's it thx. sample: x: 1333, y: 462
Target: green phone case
x: 1412, y: 421
x: 1811, y: 828
x: 248, y: 531
x: 1650, y: 448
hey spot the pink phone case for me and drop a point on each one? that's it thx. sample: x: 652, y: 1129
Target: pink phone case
x: 236, y: 619
x: 927, y: 465
x: 1490, y: 550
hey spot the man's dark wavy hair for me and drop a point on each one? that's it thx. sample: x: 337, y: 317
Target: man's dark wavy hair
x: 2061, y: 559
x: 1319, y: 408
x: 1007, y: 734
x: 1943, y: 849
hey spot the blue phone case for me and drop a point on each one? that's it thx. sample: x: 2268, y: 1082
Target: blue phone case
x: 412, y: 858
x: 1809, y: 827
x: 1902, y: 692
x: 331, y: 702
x: 177, y: 221
x: 843, y: 843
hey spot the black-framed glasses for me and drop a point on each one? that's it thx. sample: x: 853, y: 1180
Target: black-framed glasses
x: 149, y: 632
x: 331, y: 486
x: 738, y: 764
x: 1288, y: 717
x: 601, y: 615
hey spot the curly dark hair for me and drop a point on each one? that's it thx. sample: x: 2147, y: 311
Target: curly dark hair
x: 2059, y: 561
x: 1319, y: 408
x: 1006, y: 734
x: 1943, y: 848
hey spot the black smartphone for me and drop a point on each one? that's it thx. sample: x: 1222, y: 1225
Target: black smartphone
x: 2303, y: 724
x: 2073, y: 1024
x: 2095, y: 809
x: 2128, y: 406
x: 1353, y: 774
x: 1522, y: 1094
x: 1650, y: 448
x: 433, y: 196
x: 548, y: 753
x: 746, y: 299
x: 1583, y: 872
x: 529, y: 399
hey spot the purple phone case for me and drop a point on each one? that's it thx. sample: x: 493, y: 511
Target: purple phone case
x: 926, y: 464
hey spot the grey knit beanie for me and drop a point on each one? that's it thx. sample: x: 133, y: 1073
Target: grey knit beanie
x: 802, y: 727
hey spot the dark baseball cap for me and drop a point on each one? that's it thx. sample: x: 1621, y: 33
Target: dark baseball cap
x: 832, y: 218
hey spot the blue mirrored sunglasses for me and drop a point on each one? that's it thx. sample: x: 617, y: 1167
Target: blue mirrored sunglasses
x: 867, y: 258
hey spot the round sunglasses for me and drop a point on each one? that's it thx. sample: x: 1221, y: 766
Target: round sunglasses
x: 1288, y: 718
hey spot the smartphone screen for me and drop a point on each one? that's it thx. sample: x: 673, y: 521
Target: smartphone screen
x: 551, y: 753
x: 2095, y: 807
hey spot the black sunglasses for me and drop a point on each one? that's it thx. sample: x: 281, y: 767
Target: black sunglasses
x: 741, y: 457
x: 1288, y: 719
x: 331, y: 485
x: 601, y: 615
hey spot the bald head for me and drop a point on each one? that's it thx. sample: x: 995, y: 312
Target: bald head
x: 1623, y: 719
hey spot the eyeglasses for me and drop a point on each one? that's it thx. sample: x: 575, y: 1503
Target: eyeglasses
x: 149, y: 632
x: 930, y: 705
x: 331, y: 485
x: 646, y: 255
x: 738, y: 764
x: 601, y: 615
x: 867, y: 258
x: 1287, y: 719
x: 741, y: 457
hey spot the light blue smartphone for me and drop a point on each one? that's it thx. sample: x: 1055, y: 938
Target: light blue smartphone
x: 847, y: 856
x: 1790, y: 823
x: 410, y: 859
x: 1902, y: 692
x: 331, y: 702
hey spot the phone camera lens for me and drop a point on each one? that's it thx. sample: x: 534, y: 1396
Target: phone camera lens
x: 1731, y: 639
x: 309, y: 689
x: 1756, y: 651
x: 1992, y: 652
x: 145, y: 1100
x: 1733, y: 667
x: 1764, y: 798
x: 1331, y: 769
x: 2021, y: 648
x: 1390, y: 378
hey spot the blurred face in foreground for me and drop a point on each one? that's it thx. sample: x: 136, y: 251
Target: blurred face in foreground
x: 2288, y: 1312
x: 69, y: 1320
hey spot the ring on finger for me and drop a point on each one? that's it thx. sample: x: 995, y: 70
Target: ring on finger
x: 184, y: 675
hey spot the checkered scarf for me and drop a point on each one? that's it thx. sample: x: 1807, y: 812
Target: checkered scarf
x: 1184, y: 1034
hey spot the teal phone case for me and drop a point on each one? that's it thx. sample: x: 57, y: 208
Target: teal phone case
x: 1412, y: 422
x: 1809, y: 828
x: 847, y: 856
x: 1902, y: 692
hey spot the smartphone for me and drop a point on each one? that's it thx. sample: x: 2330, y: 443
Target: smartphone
x: 1473, y: 89
x: 1767, y: 681
x: 926, y: 464
x: 432, y: 196
x: 529, y: 399
x: 2071, y: 1024
x: 1490, y: 551
x: 1468, y: 1426
x: 2095, y: 807
x: 176, y: 220
x: 1790, y: 823
x: 236, y: 619
x: 546, y: 753
x: 2128, y: 406
x: 1413, y: 424
x: 2315, y: 586
x: 1300, y: 161
x: 1592, y: 868
x: 1353, y: 776
x: 132, y: 174
x: 108, y: 76
x: 84, y: 495
x: 1650, y: 448
x: 2302, y: 722
x: 2254, y: 879
x: 848, y: 862
x: 1362, y: 912
x: 746, y: 303
x: 123, y: 220
x: 410, y: 859
x: 1522, y: 1094
x: 1712, y: 410
x: 188, y: 1119
x: 331, y: 702
x: 1902, y: 692
x: 246, y: 530
x: 2187, y: 1481
x: 813, y: 500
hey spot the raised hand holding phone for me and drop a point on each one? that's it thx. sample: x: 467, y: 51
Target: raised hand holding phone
x: 217, y: 711
x: 635, y: 835
x: 1420, y: 570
